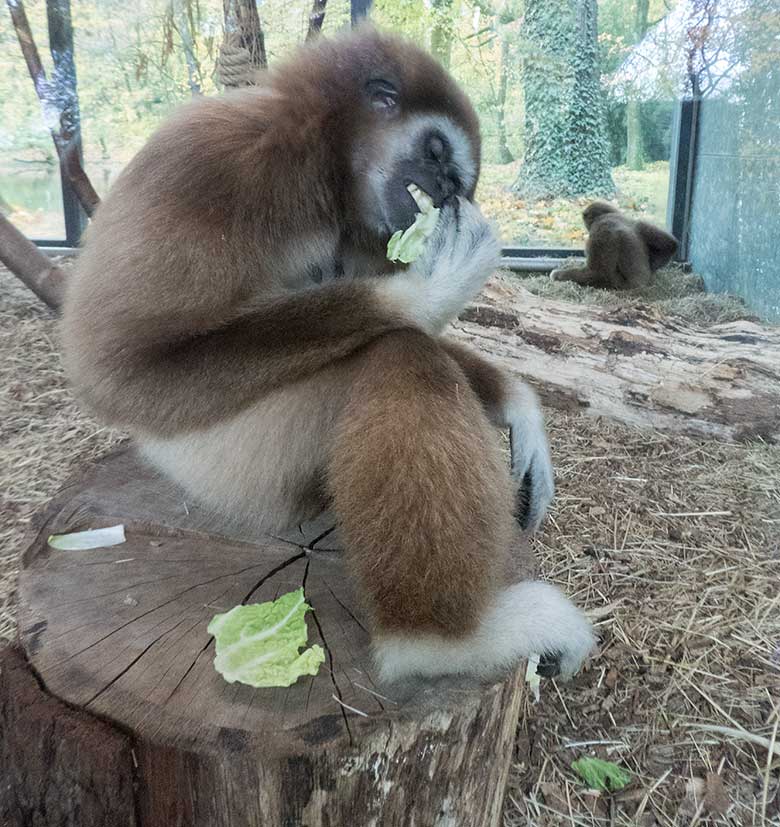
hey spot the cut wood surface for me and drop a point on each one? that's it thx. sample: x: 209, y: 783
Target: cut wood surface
x: 127, y: 709
x: 633, y: 364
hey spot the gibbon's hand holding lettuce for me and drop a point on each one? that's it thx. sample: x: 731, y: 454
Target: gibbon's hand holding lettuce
x: 258, y: 644
x: 407, y: 245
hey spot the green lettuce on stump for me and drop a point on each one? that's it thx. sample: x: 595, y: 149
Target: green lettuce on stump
x: 259, y: 644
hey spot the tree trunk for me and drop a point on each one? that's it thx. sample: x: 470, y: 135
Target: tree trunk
x: 316, y: 18
x: 635, y: 156
x: 635, y: 153
x: 504, y: 153
x: 59, y: 102
x: 30, y: 265
x: 632, y: 364
x: 566, y: 146
x: 181, y: 23
x: 242, y: 55
x: 442, y: 31
x: 126, y: 721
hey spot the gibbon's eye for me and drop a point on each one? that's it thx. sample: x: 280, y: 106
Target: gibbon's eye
x: 382, y: 95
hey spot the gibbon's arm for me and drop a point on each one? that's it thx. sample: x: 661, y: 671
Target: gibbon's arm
x: 661, y: 246
x: 164, y: 384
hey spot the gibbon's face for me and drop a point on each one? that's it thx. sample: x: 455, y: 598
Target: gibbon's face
x: 419, y: 129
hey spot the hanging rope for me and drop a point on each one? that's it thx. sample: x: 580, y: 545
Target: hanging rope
x: 234, y: 65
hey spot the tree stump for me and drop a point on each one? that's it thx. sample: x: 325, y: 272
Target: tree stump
x: 111, y: 712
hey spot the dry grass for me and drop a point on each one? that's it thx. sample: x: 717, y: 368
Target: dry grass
x: 673, y: 291
x: 672, y: 543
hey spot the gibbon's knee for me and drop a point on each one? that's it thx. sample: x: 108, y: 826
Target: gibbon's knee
x: 421, y: 490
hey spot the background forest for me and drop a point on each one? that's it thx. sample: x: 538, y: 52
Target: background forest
x: 570, y: 106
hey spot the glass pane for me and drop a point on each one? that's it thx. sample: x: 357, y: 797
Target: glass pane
x: 136, y: 62
x: 557, y: 130
x: 30, y: 193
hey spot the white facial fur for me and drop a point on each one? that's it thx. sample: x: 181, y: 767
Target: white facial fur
x: 399, y: 141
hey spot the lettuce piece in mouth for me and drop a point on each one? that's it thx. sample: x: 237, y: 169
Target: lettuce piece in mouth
x: 84, y: 540
x: 259, y: 644
x: 407, y: 245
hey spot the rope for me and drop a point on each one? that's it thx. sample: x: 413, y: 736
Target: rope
x: 234, y: 66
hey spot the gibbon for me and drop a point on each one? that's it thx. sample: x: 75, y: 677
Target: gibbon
x: 234, y: 309
x: 622, y: 253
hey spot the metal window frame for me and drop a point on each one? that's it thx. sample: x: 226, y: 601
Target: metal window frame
x: 681, y: 167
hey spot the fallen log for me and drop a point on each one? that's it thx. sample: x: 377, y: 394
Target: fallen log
x: 633, y: 364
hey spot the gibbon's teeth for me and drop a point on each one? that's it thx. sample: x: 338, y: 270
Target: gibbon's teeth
x: 421, y: 198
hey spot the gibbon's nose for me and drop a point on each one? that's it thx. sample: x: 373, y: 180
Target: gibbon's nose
x: 437, y: 147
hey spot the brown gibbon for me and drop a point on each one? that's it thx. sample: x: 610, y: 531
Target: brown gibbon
x: 234, y: 310
x: 622, y: 254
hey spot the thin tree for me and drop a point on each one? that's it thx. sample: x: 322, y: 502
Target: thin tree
x: 635, y: 154
x: 316, y: 18
x: 60, y: 106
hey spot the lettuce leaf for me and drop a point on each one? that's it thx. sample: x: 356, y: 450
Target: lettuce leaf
x: 259, y: 644
x: 601, y: 775
x: 407, y: 245
x: 83, y: 540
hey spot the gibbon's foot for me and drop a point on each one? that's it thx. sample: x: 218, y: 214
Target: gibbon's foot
x: 559, y: 274
x: 549, y: 665
x: 531, y: 464
x: 524, y: 619
x: 457, y: 260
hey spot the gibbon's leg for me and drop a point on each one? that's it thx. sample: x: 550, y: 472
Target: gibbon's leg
x: 579, y: 275
x: 424, y: 503
x: 510, y: 403
x: 633, y: 265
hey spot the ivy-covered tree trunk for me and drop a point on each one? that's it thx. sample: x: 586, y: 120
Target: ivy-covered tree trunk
x: 566, y: 145
x: 635, y: 152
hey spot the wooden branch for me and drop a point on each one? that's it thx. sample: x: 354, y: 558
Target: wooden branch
x: 633, y: 364
x: 316, y: 18
x: 30, y: 265
x: 129, y: 723
x: 59, y: 106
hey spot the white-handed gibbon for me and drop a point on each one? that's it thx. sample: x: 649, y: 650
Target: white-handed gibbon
x: 233, y: 308
x: 622, y: 254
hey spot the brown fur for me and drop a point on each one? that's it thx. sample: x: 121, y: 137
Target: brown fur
x: 622, y: 253
x: 421, y: 488
x: 187, y: 272
x: 190, y: 322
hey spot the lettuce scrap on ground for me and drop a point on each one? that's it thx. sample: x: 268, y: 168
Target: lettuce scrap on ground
x: 601, y: 775
x: 83, y: 540
x: 407, y: 245
x: 532, y: 677
x: 259, y: 644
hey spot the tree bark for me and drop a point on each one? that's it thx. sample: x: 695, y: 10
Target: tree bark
x: 59, y: 103
x: 30, y: 265
x: 633, y: 364
x: 504, y: 153
x: 566, y: 147
x: 128, y: 723
x: 243, y: 22
x: 181, y: 22
x: 316, y: 18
